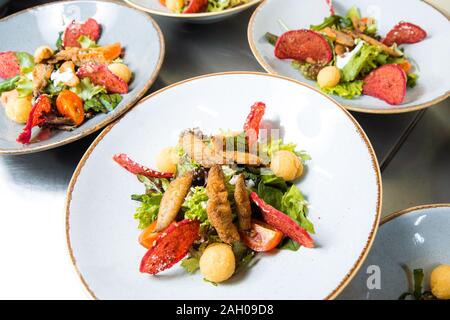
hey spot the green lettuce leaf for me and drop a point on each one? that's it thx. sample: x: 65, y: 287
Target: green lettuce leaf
x: 86, y: 42
x: 364, y: 60
x: 26, y: 62
x: 147, y: 212
x: 103, y: 102
x: 353, y: 12
x: 86, y: 90
x: 347, y: 90
x: 412, y: 79
x: 191, y: 264
x: 270, y: 195
x: 294, y: 205
x: 194, y: 206
x: 330, y: 21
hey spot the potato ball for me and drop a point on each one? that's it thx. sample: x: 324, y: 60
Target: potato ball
x: 328, y: 77
x: 285, y: 164
x: 217, y: 262
x: 121, y: 70
x: 175, y: 5
x: 19, y: 109
x: 42, y: 53
x: 166, y: 160
x: 440, y: 282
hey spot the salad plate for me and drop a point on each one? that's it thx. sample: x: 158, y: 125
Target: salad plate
x: 206, y: 11
x: 401, y: 35
x: 340, y: 183
x: 54, y: 29
x: 411, y: 241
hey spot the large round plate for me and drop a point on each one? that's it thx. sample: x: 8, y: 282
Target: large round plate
x: 155, y: 7
x: 431, y: 55
x: 342, y: 185
x: 28, y: 29
x: 415, y: 238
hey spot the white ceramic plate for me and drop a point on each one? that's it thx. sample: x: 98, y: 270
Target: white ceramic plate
x: 415, y: 238
x: 156, y: 8
x: 342, y: 185
x: 30, y: 28
x: 431, y: 55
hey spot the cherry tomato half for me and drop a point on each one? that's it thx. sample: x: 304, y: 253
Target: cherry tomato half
x: 70, y: 105
x: 262, y: 237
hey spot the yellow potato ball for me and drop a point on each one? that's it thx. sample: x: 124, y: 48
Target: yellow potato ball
x: 19, y: 109
x: 440, y: 282
x: 175, y: 5
x: 217, y: 262
x: 286, y: 164
x: 328, y: 77
x: 121, y: 70
x: 166, y: 160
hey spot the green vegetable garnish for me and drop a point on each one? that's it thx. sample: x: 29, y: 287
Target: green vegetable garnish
x: 271, y: 38
x: 148, y: 210
x: 26, y: 62
x: 24, y: 86
x: 364, y: 59
x: 86, y: 90
x: 195, y: 205
x: 86, y: 42
x: 347, y: 90
x: 9, y: 84
x: 103, y: 102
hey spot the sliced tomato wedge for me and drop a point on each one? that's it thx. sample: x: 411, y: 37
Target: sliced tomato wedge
x: 148, y: 236
x: 261, y: 237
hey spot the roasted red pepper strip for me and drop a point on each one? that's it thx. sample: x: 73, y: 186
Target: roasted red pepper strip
x: 282, y: 222
x: 251, y: 126
x: 171, y: 246
x: 196, y: 6
x: 125, y: 162
x: 42, y: 106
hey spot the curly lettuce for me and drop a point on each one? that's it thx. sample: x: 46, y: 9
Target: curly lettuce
x: 147, y: 212
x: 364, y: 60
x: 347, y: 90
x: 195, y: 205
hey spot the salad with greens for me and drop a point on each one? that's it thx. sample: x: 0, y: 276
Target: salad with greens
x: 347, y: 56
x: 218, y: 200
x: 197, y: 6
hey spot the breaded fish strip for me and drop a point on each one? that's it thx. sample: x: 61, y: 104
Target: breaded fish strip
x: 218, y: 207
x: 243, y: 206
x: 172, y: 200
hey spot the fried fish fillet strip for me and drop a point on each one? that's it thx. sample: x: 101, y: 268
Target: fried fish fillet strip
x: 243, y: 206
x: 41, y: 75
x: 216, y: 153
x: 80, y: 56
x: 218, y: 207
x: 173, y: 199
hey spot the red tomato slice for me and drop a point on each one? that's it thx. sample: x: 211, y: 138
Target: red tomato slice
x: 262, y: 237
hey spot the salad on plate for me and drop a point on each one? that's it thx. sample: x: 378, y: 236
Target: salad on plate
x: 61, y: 88
x: 348, y: 57
x: 218, y: 200
x: 197, y: 6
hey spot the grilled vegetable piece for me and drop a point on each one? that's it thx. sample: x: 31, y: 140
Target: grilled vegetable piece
x: 282, y: 222
x: 374, y: 42
x: 82, y: 56
x: 405, y: 32
x: 135, y: 168
x: 303, y: 45
x: 99, y: 74
x: 41, y: 106
x: 387, y: 83
x: 75, y: 30
x: 173, y: 199
x: 170, y: 247
x: 338, y: 36
x: 263, y: 237
x: 9, y: 65
x: 218, y: 207
x: 243, y: 207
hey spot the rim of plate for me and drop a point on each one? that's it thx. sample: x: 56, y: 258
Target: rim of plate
x: 106, y: 121
x: 400, y: 213
x: 362, y: 256
x: 191, y: 15
x: 394, y: 110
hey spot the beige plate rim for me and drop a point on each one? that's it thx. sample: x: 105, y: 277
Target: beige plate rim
x: 400, y: 213
x: 108, y: 120
x: 393, y: 110
x: 189, y: 16
x: 370, y: 240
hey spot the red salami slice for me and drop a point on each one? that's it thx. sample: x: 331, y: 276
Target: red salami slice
x: 9, y: 65
x: 196, y: 6
x: 171, y: 246
x: 100, y: 75
x: 387, y: 83
x: 303, y: 45
x: 405, y: 32
x: 75, y: 30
